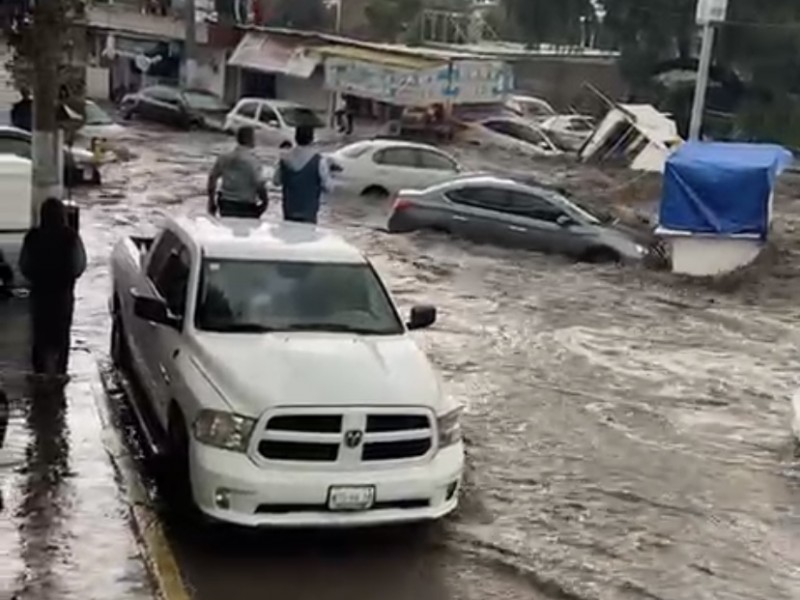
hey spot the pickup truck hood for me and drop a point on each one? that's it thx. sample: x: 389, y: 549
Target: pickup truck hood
x: 259, y: 371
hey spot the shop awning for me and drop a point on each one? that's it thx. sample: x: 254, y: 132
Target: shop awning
x: 379, y: 57
x: 261, y: 52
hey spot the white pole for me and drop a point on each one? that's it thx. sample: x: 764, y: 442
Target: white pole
x: 701, y: 87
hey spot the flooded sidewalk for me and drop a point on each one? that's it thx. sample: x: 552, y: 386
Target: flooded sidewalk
x: 64, y: 522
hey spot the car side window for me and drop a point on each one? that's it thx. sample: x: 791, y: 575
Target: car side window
x: 165, y: 95
x: 268, y: 115
x: 488, y: 198
x: 397, y: 157
x: 248, y: 110
x: 436, y: 161
x: 172, y: 282
x: 162, y: 247
x: 534, y: 207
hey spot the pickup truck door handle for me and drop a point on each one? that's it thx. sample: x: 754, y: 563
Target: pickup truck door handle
x: 164, y: 374
x: 460, y: 219
x: 517, y: 228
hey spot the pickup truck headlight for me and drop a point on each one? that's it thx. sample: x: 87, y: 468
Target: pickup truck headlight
x: 449, y: 426
x: 223, y: 430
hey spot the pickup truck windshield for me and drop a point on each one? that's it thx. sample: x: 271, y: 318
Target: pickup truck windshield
x: 240, y: 296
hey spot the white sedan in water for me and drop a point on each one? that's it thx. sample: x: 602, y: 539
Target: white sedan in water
x: 382, y: 167
x: 514, y: 135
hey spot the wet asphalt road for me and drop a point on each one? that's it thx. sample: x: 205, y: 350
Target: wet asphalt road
x: 628, y: 432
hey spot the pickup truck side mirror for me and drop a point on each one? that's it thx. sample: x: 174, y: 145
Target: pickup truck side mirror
x: 154, y: 310
x: 422, y: 317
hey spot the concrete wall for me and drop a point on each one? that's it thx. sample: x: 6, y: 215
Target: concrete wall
x: 560, y: 80
x: 311, y: 92
x: 211, y: 70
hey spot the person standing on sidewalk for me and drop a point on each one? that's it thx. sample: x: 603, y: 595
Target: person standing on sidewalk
x: 304, y: 175
x: 22, y: 111
x: 243, y: 192
x: 52, y: 259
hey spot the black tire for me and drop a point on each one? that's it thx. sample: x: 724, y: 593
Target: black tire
x: 120, y: 354
x: 96, y: 179
x: 601, y: 255
x: 375, y: 192
x: 178, y: 474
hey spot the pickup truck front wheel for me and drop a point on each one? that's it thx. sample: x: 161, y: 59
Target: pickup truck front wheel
x: 119, y: 347
x: 178, y: 436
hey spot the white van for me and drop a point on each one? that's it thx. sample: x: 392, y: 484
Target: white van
x: 15, y: 207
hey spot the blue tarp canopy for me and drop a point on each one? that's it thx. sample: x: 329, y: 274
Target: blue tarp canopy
x: 718, y: 188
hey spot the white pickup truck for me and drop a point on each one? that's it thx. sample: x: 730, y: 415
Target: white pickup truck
x: 280, y: 377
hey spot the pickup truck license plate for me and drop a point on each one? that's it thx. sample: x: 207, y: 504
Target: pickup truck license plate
x: 351, y: 497
x: 88, y: 172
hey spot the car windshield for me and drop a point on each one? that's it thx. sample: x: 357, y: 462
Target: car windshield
x: 205, y: 102
x: 296, y: 116
x: 94, y: 115
x: 239, y: 296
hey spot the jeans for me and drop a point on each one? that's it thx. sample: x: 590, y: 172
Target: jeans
x: 51, y: 313
x: 240, y: 210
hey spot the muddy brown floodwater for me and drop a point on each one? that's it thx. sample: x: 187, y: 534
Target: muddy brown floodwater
x: 628, y: 432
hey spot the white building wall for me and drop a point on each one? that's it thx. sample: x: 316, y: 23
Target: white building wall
x: 310, y: 92
x: 210, y: 73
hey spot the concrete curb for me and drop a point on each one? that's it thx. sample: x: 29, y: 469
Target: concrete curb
x: 156, y: 550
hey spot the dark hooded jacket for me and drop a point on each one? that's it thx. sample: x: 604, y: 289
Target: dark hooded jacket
x: 53, y: 256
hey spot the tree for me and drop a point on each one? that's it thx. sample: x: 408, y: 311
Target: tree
x: 546, y: 21
x: 390, y: 19
x: 40, y: 36
x: 760, y: 40
x: 299, y: 14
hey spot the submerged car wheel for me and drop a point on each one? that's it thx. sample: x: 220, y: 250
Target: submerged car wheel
x: 602, y: 255
x: 375, y: 192
x: 178, y: 475
x: 120, y: 355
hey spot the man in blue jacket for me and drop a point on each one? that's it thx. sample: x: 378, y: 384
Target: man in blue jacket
x: 303, y: 174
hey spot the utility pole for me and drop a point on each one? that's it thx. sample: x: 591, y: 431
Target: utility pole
x: 190, y: 45
x: 47, y: 152
x: 709, y: 12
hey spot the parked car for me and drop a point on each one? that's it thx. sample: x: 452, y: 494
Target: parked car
x: 382, y: 167
x: 177, y: 107
x: 530, y: 108
x: 514, y: 135
x: 570, y: 132
x: 506, y: 212
x: 98, y: 124
x: 280, y: 377
x: 275, y: 121
x: 80, y: 165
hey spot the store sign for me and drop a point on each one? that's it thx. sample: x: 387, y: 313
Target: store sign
x: 463, y: 82
x: 711, y: 11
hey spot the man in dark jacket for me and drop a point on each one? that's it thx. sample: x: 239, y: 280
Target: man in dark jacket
x: 52, y: 259
x: 22, y: 111
x: 304, y: 175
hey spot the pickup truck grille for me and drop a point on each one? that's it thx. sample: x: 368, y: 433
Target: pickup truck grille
x: 345, y: 437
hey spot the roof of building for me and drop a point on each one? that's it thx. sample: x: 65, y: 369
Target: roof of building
x: 326, y: 41
x: 251, y: 239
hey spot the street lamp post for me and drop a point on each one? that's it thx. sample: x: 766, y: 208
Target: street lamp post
x: 709, y: 13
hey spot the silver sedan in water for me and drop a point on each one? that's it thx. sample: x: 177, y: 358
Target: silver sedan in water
x: 509, y: 213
